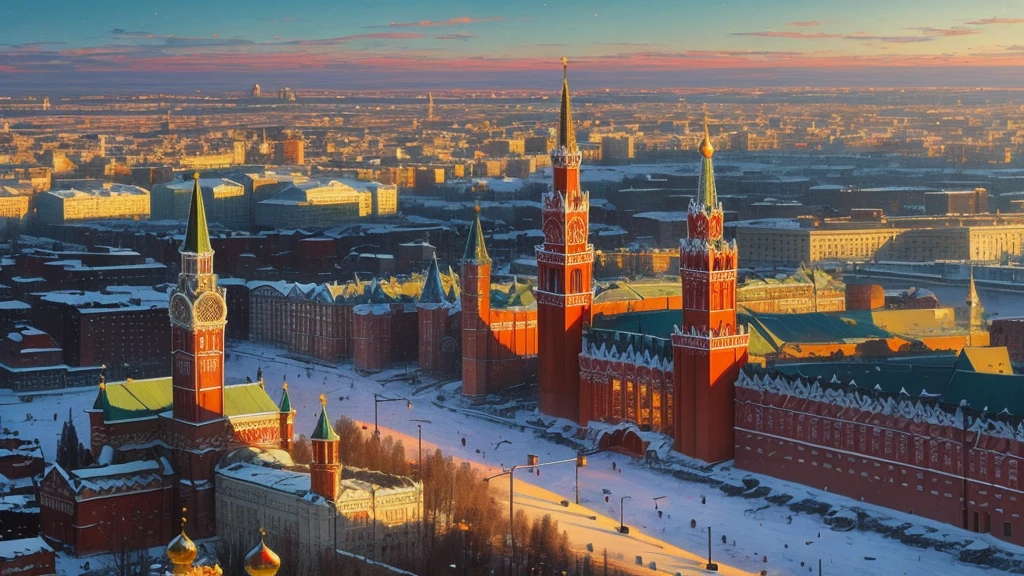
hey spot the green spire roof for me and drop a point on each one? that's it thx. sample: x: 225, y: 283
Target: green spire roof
x: 197, y: 236
x: 433, y: 290
x: 476, y: 251
x: 566, y: 131
x: 707, y: 195
x: 286, y: 401
x: 323, y: 430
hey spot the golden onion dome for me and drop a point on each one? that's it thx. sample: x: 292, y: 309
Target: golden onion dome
x: 182, y: 550
x: 706, y: 149
x: 261, y: 560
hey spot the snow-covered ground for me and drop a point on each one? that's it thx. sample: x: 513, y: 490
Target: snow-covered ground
x: 752, y: 528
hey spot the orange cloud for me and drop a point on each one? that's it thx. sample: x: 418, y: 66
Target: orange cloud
x: 954, y: 31
x: 789, y: 34
x: 988, y: 21
x: 450, y: 22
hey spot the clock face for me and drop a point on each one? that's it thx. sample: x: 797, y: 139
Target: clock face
x: 715, y: 227
x: 552, y: 230
x: 577, y: 233
x: 181, y: 312
x: 701, y: 226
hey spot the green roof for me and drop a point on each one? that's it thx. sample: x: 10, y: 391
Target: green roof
x: 324, y: 430
x: 197, y: 235
x: 659, y: 323
x: 476, y: 250
x: 148, y: 398
x: 242, y: 399
x: 285, y: 405
x: 135, y: 399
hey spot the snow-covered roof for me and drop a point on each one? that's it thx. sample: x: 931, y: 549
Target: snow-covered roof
x: 12, y: 549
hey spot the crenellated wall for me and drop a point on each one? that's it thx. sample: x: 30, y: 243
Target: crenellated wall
x: 884, y: 449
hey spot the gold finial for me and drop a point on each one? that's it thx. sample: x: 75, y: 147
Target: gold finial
x: 477, y: 207
x: 565, y: 66
x: 263, y: 533
x: 103, y: 385
x: 323, y: 400
x: 706, y: 149
x: 284, y: 386
x: 195, y: 175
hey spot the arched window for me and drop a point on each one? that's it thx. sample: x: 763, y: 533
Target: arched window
x: 576, y: 282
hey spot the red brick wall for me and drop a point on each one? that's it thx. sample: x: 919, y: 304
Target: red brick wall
x: 39, y: 564
x: 1009, y: 332
x: 910, y: 466
x: 372, y: 335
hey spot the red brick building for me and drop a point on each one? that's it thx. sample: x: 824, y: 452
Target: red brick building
x: 936, y: 440
x: 123, y: 327
x: 27, y: 557
x: 159, y: 440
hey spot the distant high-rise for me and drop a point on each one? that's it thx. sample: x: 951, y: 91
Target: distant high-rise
x: 286, y: 94
x: 430, y: 107
x: 291, y: 151
x: 256, y: 91
x: 46, y: 103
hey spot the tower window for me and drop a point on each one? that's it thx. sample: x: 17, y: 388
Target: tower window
x: 576, y: 282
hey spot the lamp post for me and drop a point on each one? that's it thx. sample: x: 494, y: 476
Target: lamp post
x: 532, y: 461
x: 377, y: 399
x: 711, y: 567
x: 622, y: 509
x: 419, y: 446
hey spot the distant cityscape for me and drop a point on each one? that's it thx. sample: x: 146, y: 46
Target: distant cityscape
x: 667, y: 274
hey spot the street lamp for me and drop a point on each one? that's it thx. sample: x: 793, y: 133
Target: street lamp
x: 711, y: 567
x: 623, y: 529
x: 377, y: 399
x: 533, y: 461
x: 419, y: 446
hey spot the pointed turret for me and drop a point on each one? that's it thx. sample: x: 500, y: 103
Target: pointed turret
x: 973, y: 300
x: 324, y: 430
x: 707, y: 195
x: 197, y: 235
x: 566, y: 130
x: 285, y: 405
x: 476, y: 250
x: 325, y: 468
x: 433, y: 290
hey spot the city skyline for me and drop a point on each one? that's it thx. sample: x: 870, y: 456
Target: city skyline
x: 407, y: 44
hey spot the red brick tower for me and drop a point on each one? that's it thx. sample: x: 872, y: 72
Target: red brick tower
x: 286, y: 417
x: 325, y: 470
x: 432, y: 316
x: 710, y: 349
x: 564, y: 264
x: 198, y: 315
x: 476, y: 311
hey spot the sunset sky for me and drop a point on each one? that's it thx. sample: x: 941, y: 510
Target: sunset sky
x: 371, y: 44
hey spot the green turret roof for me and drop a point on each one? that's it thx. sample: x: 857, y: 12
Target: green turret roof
x: 324, y: 430
x: 286, y: 401
x: 433, y: 290
x: 707, y: 195
x: 197, y: 235
x: 476, y: 250
x: 566, y: 131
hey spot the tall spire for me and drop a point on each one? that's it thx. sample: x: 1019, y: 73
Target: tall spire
x: 707, y: 195
x: 973, y: 300
x: 476, y: 250
x: 197, y: 235
x: 566, y: 131
x: 433, y: 290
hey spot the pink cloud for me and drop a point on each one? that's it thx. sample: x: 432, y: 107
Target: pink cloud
x: 804, y: 24
x: 954, y: 31
x: 450, y: 22
x: 987, y: 21
x: 789, y: 34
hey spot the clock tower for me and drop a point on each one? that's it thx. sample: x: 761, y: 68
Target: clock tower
x: 198, y: 316
x: 710, y: 349
x: 564, y: 266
